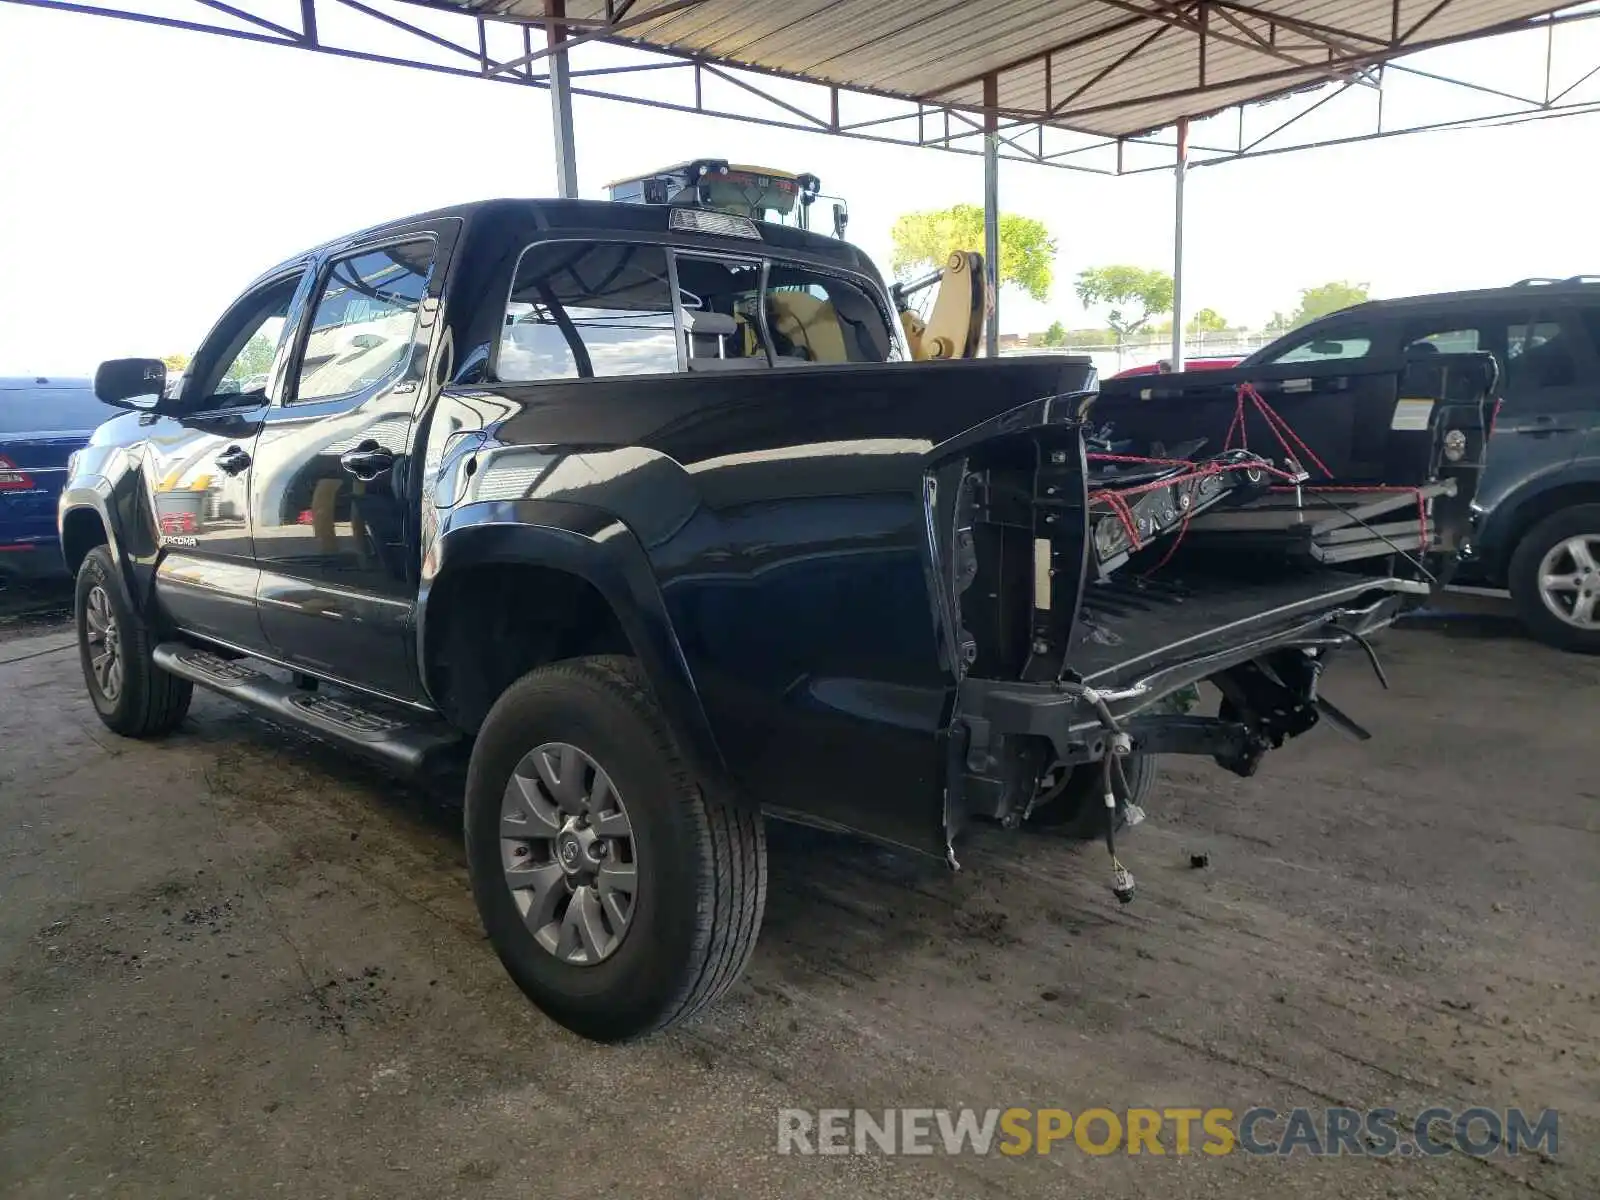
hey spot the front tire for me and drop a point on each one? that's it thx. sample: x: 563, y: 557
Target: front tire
x: 132, y: 695
x: 619, y: 896
x: 1555, y: 579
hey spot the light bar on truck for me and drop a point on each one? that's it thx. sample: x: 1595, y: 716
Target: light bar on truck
x: 719, y: 224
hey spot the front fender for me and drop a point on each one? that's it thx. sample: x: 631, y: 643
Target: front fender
x: 94, y: 493
x: 598, y: 548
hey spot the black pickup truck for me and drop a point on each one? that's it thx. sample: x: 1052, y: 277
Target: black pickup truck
x: 645, y: 516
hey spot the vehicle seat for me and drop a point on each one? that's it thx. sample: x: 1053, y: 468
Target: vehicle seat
x: 809, y: 325
x: 715, y: 336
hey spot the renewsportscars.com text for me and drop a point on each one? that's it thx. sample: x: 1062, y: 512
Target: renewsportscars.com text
x: 1377, y: 1132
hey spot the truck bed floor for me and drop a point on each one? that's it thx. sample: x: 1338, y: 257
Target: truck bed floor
x: 1127, y: 623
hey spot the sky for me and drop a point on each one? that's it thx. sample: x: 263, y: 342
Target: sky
x: 147, y: 175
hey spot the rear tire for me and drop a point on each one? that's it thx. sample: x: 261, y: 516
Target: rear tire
x: 1555, y: 579
x: 132, y: 695
x: 648, y: 958
x: 1079, y: 812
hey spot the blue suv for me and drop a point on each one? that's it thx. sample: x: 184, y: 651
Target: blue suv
x: 42, y: 422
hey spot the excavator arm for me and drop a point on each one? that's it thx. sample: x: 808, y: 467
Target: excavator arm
x: 953, y: 327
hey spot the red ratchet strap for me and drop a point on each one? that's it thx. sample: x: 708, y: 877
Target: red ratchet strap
x: 1279, y: 427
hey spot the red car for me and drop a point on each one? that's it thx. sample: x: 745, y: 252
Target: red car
x: 1189, y: 364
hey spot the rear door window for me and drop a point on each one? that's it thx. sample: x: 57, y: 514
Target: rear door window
x: 1540, y: 355
x: 1444, y: 341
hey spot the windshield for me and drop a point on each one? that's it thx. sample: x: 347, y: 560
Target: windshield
x: 1326, y: 346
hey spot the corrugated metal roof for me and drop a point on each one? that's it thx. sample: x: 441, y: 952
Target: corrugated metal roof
x: 1110, y: 67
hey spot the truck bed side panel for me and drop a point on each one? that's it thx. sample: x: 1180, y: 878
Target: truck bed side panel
x: 783, y: 513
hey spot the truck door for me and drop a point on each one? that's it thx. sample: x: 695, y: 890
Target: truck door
x: 196, y: 469
x: 332, y: 493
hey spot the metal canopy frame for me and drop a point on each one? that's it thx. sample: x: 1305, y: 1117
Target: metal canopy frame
x: 440, y: 38
x: 531, y: 44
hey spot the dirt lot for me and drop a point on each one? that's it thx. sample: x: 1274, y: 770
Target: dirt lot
x: 234, y: 964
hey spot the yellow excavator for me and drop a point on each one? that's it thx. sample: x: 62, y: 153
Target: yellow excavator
x: 953, y: 327
x: 953, y: 324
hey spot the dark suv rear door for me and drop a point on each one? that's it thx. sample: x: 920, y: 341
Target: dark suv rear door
x: 1551, y: 399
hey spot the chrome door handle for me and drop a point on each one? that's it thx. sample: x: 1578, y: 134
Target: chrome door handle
x: 367, y: 461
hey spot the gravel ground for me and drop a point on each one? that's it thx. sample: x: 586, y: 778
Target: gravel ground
x: 236, y: 964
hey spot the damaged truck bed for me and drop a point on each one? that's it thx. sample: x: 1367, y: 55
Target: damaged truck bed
x: 1115, y: 550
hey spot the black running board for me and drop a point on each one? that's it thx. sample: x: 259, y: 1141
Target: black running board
x: 406, y: 742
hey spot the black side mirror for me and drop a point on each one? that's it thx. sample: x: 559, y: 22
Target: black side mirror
x: 138, y: 383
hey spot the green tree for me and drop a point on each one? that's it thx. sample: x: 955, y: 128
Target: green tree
x: 923, y: 240
x: 1056, y: 335
x: 1328, y: 298
x: 1278, y: 324
x: 254, y: 359
x: 1207, y: 320
x: 176, y: 362
x: 1136, y: 294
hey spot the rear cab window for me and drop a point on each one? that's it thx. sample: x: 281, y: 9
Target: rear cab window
x: 607, y: 309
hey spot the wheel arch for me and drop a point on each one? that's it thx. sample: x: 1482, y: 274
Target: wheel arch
x: 566, y: 558
x: 82, y: 529
x: 85, y: 520
x: 1543, y: 497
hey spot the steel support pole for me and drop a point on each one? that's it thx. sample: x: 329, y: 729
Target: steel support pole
x: 991, y: 212
x: 561, y: 100
x: 1180, y: 170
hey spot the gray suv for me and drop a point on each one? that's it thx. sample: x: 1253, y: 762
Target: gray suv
x: 1536, y: 515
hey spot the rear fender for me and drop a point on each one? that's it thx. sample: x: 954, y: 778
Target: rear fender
x: 594, y: 546
x: 1496, y: 532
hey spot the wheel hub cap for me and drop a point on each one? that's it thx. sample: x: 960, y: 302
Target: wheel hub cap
x: 104, y: 643
x: 567, y: 851
x: 1569, y: 581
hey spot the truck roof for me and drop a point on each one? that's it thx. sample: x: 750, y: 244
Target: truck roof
x: 543, y: 218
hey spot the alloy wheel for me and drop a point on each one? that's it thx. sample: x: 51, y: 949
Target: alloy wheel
x: 105, y: 643
x: 1569, y: 581
x: 568, y: 855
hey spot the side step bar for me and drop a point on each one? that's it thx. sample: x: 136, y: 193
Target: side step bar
x: 405, y: 742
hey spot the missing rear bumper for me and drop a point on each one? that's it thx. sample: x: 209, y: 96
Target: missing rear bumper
x: 1009, y: 735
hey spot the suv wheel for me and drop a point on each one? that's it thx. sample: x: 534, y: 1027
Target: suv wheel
x: 619, y: 896
x: 1555, y: 579
x: 132, y: 695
